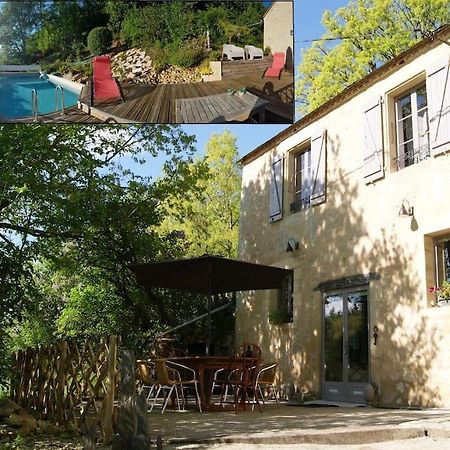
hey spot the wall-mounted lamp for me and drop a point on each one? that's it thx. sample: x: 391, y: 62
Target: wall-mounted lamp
x: 406, y: 210
x: 292, y: 245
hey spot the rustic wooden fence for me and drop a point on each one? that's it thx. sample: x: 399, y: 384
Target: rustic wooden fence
x: 69, y: 383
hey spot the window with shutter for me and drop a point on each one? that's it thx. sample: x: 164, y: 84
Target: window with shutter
x: 413, y: 135
x: 309, y: 174
x: 276, y: 190
x: 438, y: 90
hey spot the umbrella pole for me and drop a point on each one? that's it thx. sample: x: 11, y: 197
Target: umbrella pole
x: 208, y: 342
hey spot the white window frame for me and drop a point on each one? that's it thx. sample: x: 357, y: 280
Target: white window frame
x: 304, y: 174
x: 419, y: 152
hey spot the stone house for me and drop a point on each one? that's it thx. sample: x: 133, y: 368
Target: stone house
x: 279, y: 29
x: 354, y: 198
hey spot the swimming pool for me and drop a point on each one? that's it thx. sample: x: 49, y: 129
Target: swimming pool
x: 16, y: 92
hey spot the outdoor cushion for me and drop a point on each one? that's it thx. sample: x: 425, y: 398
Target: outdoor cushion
x: 277, y: 65
x: 104, y: 85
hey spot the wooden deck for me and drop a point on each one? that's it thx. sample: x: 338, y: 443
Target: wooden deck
x: 72, y: 115
x: 156, y: 104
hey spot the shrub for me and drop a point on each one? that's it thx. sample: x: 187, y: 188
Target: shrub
x: 159, y: 56
x: 215, y: 55
x: 99, y: 40
x: 189, y: 53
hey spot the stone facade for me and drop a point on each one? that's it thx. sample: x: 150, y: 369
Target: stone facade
x: 278, y: 29
x: 356, y: 229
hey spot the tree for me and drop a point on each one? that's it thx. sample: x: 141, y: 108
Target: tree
x: 18, y: 20
x: 66, y: 202
x: 369, y: 33
x: 203, y: 217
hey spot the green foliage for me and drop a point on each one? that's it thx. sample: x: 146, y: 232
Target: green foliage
x: 186, y: 54
x: 90, y: 311
x: 280, y: 316
x: 116, y: 11
x: 374, y: 31
x: 444, y: 290
x: 203, y: 214
x: 84, y: 218
x: 18, y: 21
x: 99, y: 40
x: 232, y: 31
x: 160, y: 57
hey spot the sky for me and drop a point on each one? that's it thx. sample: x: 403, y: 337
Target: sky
x: 307, y: 26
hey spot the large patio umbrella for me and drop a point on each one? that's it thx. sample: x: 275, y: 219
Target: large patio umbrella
x: 209, y: 275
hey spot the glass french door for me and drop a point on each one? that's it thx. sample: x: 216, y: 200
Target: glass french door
x: 345, y: 373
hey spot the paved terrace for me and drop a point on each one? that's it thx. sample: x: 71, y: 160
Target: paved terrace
x: 298, y: 425
x: 156, y: 103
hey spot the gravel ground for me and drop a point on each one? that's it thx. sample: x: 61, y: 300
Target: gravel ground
x: 423, y: 443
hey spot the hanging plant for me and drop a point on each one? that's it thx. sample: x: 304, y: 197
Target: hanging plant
x: 280, y: 316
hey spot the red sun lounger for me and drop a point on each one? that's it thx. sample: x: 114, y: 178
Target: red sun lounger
x: 104, y: 86
x: 277, y: 66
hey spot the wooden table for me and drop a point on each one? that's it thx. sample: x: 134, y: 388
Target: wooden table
x: 220, y: 108
x: 201, y: 364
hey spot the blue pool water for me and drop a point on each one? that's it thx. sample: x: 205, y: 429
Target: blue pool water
x: 15, y: 95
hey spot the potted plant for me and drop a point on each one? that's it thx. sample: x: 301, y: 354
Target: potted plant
x: 442, y: 293
x: 280, y: 316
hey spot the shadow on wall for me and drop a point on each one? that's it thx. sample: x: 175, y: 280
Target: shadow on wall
x: 345, y: 236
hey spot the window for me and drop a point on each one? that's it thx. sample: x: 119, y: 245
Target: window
x: 437, y: 257
x: 302, y: 180
x: 413, y: 136
x: 285, y: 303
x: 442, y: 254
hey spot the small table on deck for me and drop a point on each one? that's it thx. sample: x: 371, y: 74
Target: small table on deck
x: 203, y: 363
x: 220, y: 108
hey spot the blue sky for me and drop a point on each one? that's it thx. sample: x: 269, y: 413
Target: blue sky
x: 307, y: 25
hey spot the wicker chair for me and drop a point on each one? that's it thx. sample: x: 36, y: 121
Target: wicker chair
x: 146, y: 377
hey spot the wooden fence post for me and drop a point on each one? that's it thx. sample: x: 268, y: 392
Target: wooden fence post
x: 61, y: 382
x: 109, y: 398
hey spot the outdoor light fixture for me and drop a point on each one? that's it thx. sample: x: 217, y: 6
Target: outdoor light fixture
x: 406, y: 210
x: 292, y: 245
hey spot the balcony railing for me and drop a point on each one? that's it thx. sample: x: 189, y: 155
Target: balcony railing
x: 413, y: 156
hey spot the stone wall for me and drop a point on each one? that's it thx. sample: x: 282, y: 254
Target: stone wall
x: 134, y: 66
x: 356, y: 230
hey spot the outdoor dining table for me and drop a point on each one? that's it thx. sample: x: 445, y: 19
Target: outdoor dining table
x: 202, y: 364
x: 220, y: 108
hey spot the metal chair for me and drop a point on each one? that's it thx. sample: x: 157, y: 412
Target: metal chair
x: 265, y: 380
x: 222, y: 379
x: 187, y: 380
x: 168, y: 380
x: 146, y: 377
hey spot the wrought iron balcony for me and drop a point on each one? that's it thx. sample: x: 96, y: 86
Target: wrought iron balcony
x: 413, y: 156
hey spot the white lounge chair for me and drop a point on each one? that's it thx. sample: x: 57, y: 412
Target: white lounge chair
x: 252, y: 52
x: 232, y: 52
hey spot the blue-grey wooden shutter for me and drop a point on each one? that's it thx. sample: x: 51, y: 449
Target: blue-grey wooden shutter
x: 373, y: 166
x: 276, y: 189
x: 438, y: 97
x: 318, y: 166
